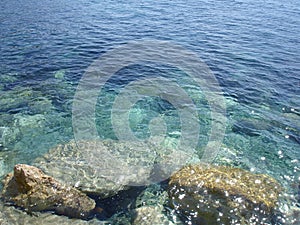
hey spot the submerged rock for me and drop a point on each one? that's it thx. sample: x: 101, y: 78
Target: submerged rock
x: 21, y: 125
x: 20, y: 99
x: 29, y: 188
x: 99, y: 167
x: 60, y: 74
x: 8, y: 135
x: 10, y: 215
x: 105, y: 167
x: 150, y: 215
x: 251, y: 127
x: 150, y: 208
x: 29, y: 121
x: 223, y: 195
x: 7, y: 80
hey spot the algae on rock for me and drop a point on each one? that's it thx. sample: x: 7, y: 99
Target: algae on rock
x: 219, y: 194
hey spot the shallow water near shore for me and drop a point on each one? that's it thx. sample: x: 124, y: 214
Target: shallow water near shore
x: 252, y: 48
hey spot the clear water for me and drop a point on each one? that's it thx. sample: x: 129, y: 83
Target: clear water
x: 252, y: 47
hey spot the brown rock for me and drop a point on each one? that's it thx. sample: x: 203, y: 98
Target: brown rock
x: 28, y: 187
x: 223, y: 195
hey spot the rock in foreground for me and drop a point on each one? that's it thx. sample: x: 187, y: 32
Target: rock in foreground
x: 29, y: 188
x: 104, y: 168
x: 223, y: 195
x: 99, y: 167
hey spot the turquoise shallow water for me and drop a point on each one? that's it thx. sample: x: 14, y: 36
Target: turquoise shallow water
x: 252, y: 48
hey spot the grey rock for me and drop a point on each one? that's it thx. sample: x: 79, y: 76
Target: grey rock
x: 8, y: 135
x: 150, y: 207
x: 150, y: 215
x: 10, y: 215
x: 99, y: 167
x: 106, y: 167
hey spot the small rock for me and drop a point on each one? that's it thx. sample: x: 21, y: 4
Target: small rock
x: 60, y: 74
x: 28, y: 187
x: 8, y: 135
x: 150, y: 215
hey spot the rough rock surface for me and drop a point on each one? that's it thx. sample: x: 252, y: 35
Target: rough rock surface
x: 98, y: 167
x: 106, y: 167
x: 150, y: 208
x: 29, y: 188
x: 223, y: 195
x: 10, y: 215
x: 150, y: 215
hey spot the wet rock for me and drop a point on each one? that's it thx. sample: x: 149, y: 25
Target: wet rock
x: 150, y: 207
x: 29, y: 121
x: 40, y: 105
x: 10, y: 215
x: 20, y: 99
x: 153, y: 195
x: 150, y: 215
x: 5, y: 119
x: 223, y: 195
x: 60, y: 91
x: 19, y: 125
x: 105, y: 167
x: 29, y: 188
x: 7, y: 80
x: 8, y: 135
x: 15, y: 99
x: 169, y: 158
x: 60, y: 74
x: 99, y: 167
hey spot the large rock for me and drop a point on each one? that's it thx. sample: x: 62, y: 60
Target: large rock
x: 223, y: 195
x: 10, y: 215
x: 28, y: 187
x: 99, y: 167
x: 105, y: 167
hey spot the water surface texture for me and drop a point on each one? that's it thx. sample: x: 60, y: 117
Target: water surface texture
x: 252, y: 47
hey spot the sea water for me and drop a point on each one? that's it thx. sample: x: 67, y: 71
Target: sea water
x: 251, y: 47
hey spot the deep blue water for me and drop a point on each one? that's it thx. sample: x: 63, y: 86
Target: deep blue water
x: 252, y: 47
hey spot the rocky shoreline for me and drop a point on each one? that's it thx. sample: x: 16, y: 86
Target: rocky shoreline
x: 62, y: 188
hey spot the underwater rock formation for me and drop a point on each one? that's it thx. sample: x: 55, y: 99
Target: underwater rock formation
x: 29, y: 188
x: 20, y: 99
x: 105, y: 167
x: 223, y: 195
x: 150, y: 215
x: 10, y: 215
x: 8, y: 135
x: 98, y: 167
x: 149, y: 207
